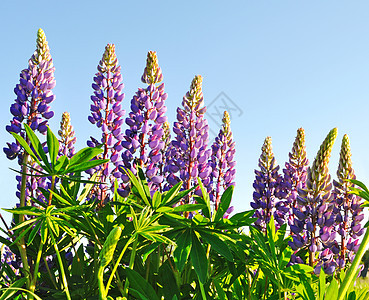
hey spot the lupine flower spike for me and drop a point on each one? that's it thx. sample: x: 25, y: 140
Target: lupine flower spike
x: 347, y: 209
x: 67, y: 138
x: 222, y: 161
x: 31, y: 107
x: 107, y: 114
x: 267, y: 188
x: 295, y: 175
x: 188, y: 153
x: 316, y: 198
x: 144, y: 139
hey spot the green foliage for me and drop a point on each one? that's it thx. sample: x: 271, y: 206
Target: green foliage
x: 142, y: 246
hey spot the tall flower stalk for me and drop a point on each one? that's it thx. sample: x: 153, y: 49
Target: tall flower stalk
x: 222, y: 161
x: 31, y: 107
x: 188, y: 153
x: 143, y: 139
x: 316, y: 198
x: 347, y: 208
x: 267, y: 187
x: 295, y: 175
x: 107, y: 114
x: 67, y: 138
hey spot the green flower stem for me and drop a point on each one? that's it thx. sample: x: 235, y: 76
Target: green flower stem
x: 100, y: 276
x: 350, y: 275
x: 202, y: 290
x: 52, y: 189
x: 21, y: 244
x: 37, y: 264
x: 117, y: 264
x: 131, y: 263
x: 64, y: 278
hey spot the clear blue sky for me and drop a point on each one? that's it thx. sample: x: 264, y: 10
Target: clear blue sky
x: 284, y: 64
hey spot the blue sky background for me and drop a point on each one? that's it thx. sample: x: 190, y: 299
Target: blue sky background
x: 284, y: 64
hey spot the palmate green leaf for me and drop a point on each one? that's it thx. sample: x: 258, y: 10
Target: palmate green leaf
x: 61, y: 163
x: 24, y: 223
x: 183, y: 249
x: 84, y: 155
x: 332, y: 290
x: 156, y: 237
x: 84, y: 166
x: 199, y: 259
x: 169, y: 195
x: 285, y: 258
x: 225, y: 201
x: 43, y: 232
x: 217, y: 244
x: 243, y: 218
x: 21, y: 235
x: 137, y: 184
x: 156, y: 199
x: 359, y: 183
x: 139, y: 286
x: 147, y: 250
x: 205, y: 196
x: 53, y: 146
x: 188, y: 207
x: 26, y: 147
x: 305, y: 291
x: 8, y: 292
x: 25, y: 210
x: 38, y: 148
x: 33, y: 233
x: 53, y: 226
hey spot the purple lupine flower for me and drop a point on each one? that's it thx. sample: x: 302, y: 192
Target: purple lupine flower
x: 188, y: 153
x: 267, y: 187
x: 144, y: 140
x: 8, y: 257
x: 67, y: 138
x: 316, y: 200
x: 31, y: 107
x: 107, y: 114
x: 295, y: 175
x: 347, y: 209
x: 222, y: 161
x: 34, y: 94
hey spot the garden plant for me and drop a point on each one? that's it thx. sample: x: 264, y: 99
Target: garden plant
x: 144, y: 210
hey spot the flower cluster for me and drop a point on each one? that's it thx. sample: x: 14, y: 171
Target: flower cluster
x: 31, y: 107
x: 347, y: 209
x: 143, y: 139
x: 188, y: 153
x: 268, y: 189
x: 222, y: 161
x: 67, y: 138
x: 316, y: 209
x: 107, y: 114
x: 295, y: 174
x: 34, y: 94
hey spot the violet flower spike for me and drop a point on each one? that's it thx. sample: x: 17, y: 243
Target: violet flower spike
x: 188, y: 153
x: 144, y: 140
x: 348, y: 211
x: 222, y: 161
x: 267, y: 185
x: 316, y: 200
x: 107, y: 114
x: 32, y: 107
x: 67, y: 138
x: 295, y: 175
